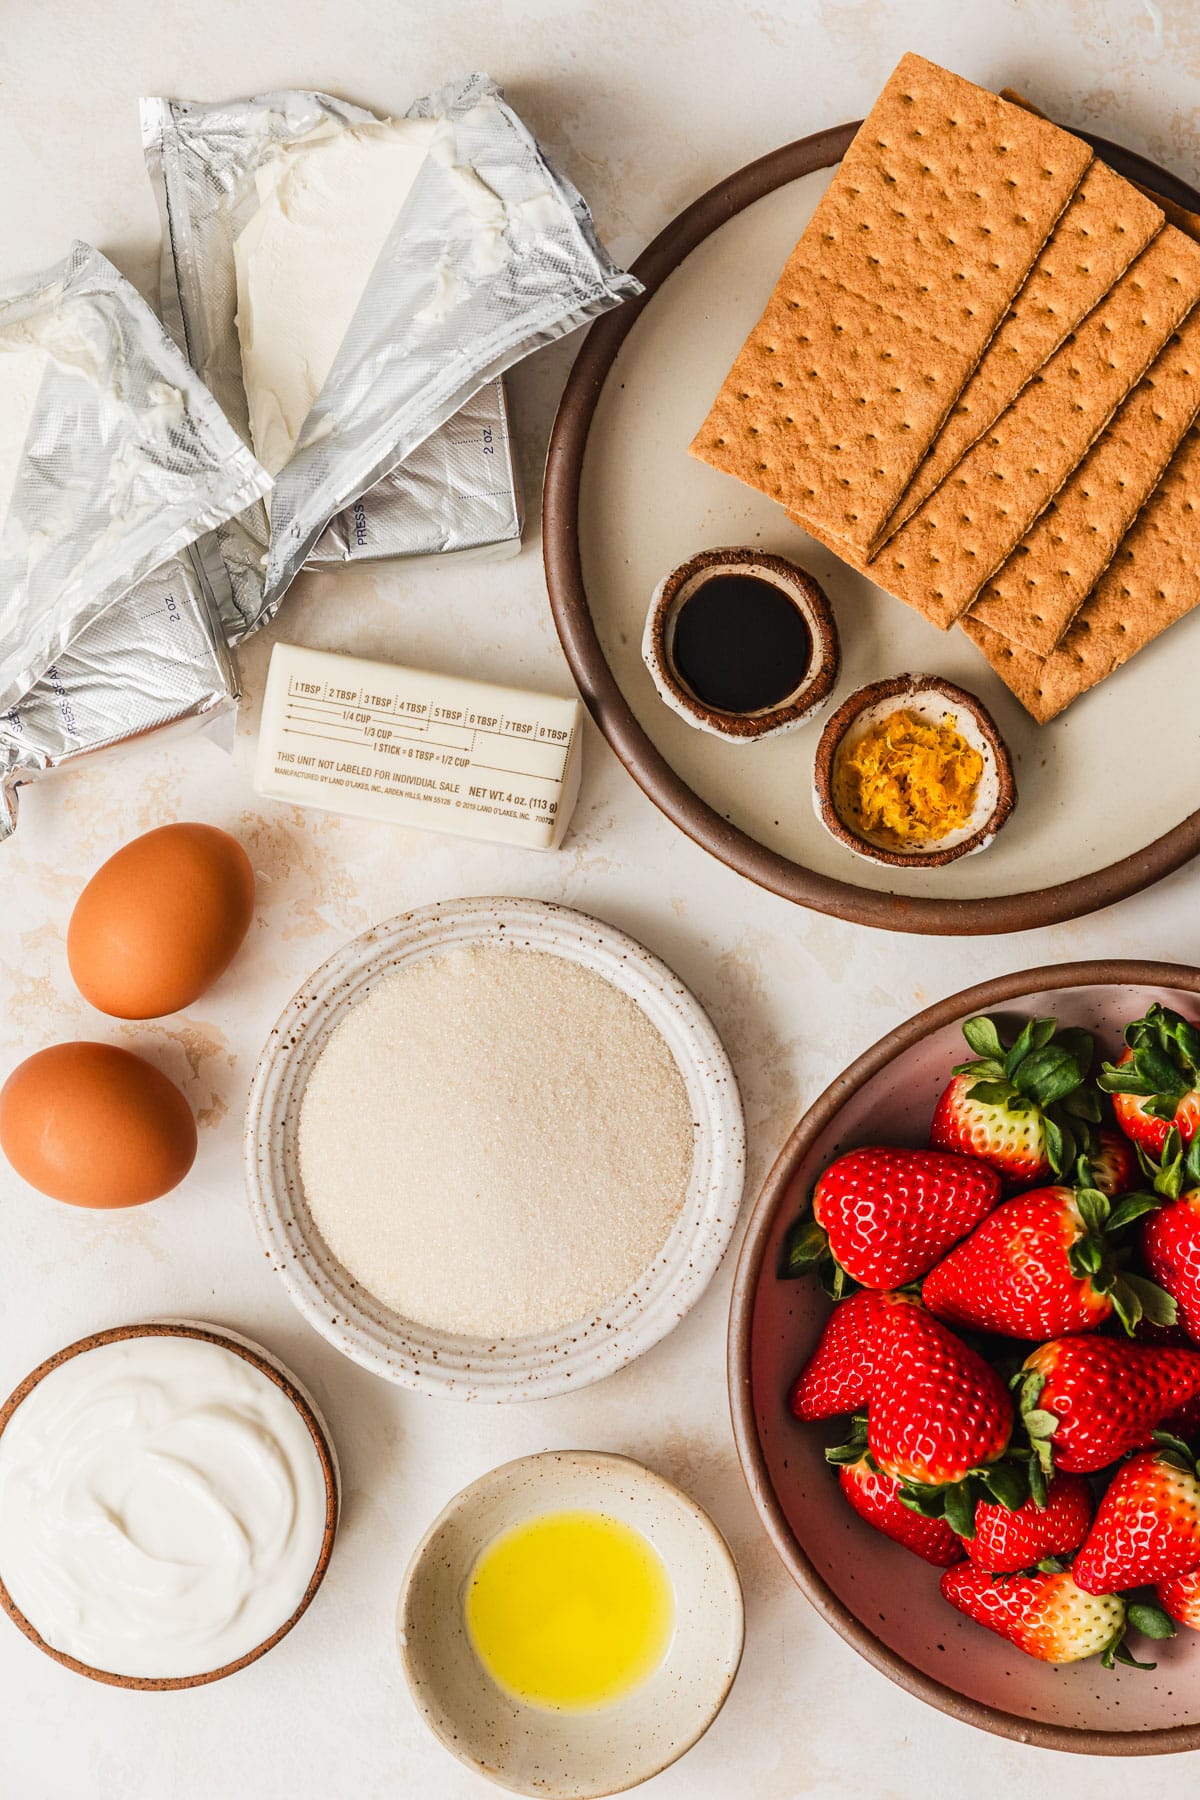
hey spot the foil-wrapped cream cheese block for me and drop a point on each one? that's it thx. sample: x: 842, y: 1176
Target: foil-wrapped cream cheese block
x: 114, y: 457
x: 346, y: 285
x: 411, y: 747
x: 156, y: 658
x: 456, y: 495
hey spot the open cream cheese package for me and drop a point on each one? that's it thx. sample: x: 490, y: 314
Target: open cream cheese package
x: 352, y: 288
x: 113, y: 457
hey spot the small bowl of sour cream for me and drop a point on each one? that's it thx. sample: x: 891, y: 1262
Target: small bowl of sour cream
x: 168, y: 1504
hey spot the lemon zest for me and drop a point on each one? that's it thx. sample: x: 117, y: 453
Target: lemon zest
x: 908, y: 779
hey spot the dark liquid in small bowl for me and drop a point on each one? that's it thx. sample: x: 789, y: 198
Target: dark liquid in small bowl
x: 740, y: 644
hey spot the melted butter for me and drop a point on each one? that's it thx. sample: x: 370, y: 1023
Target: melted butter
x: 570, y: 1611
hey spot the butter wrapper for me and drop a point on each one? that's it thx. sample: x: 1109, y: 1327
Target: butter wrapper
x: 491, y: 255
x: 155, y: 658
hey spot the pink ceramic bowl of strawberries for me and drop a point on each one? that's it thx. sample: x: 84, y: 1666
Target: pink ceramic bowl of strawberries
x: 962, y: 1343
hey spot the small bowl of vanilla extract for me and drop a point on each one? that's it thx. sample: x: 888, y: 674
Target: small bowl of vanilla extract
x: 742, y: 644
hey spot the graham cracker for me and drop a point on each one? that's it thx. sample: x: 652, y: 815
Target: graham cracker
x: 1176, y: 215
x: 1179, y: 216
x: 960, y: 536
x: 1107, y: 223
x: 911, y: 260
x: 1033, y: 597
x: 1153, y: 581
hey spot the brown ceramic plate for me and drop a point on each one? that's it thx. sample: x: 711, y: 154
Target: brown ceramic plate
x: 624, y: 504
x: 287, y: 1384
x: 882, y: 1600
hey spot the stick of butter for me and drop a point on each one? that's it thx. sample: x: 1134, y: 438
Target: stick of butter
x: 413, y: 748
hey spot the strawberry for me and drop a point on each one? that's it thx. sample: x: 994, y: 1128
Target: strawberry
x: 1005, y: 1541
x: 1171, y: 1235
x: 1043, y: 1264
x: 837, y: 1378
x: 1147, y: 1526
x: 1114, y: 1164
x: 1155, y: 1082
x: 1180, y: 1598
x: 1086, y: 1401
x: 939, y: 1419
x: 1045, y: 1615
x: 884, y: 1216
x: 1171, y: 1252
x: 875, y: 1497
x: 1022, y: 1108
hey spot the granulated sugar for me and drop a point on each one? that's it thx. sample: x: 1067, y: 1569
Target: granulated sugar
x: 495, y: 1142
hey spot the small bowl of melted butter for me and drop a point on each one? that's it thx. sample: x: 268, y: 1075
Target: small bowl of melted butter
x: 570, y: 1625
x: 912, y: 773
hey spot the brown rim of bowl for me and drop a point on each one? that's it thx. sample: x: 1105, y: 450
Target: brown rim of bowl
x: 808, y: 598
x: 746, y: 1280
x: 898, y: 687
x: 265, y: 1364
x: 608, y: 705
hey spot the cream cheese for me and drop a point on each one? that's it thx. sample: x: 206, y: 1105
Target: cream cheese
x: 162, y: 1507
x: 326, y: 206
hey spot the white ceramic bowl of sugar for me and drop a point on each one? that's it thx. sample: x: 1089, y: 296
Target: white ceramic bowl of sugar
x: 452, y: 1364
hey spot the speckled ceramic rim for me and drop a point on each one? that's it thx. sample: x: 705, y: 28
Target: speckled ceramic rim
x: 462, y: 1368
x: 602, y: 693
x: 752, y: 1270
x: 808, y: 598
x: 548, y: 1460
x: 275, y: 1372
x: 901, y: 688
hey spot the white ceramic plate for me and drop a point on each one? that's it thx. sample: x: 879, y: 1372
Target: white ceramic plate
x: 466, y: 1368
x: 571, y: 1755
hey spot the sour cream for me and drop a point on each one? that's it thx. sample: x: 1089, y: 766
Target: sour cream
x: 162, y: 1507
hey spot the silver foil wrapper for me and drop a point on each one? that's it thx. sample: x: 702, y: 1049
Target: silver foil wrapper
x: 125, y: 458
x: 155, y: 658
x: 491, y: 256
x: 456, y: 495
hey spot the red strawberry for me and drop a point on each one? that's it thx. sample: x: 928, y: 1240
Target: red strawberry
x: 1088, y: 1400
x: 875, y: 1498
x: 1113, y: 1162
x: 884, y: 1216
x: 1171, y: 1252
x: 937, y: 1412
x: 1185, y: 1421
x: 838, y: 1376
x: 1042, y: 1265
x: 1155, y: 1082
x: 1147, y: 1526
x: 1045, y: 1615
x: 1181, y: 1598
x: 1006, y: 1541
x: 1022, y: 1108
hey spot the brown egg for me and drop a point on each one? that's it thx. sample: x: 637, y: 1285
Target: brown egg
x: 95, y: 1126
x: 160, y: 921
